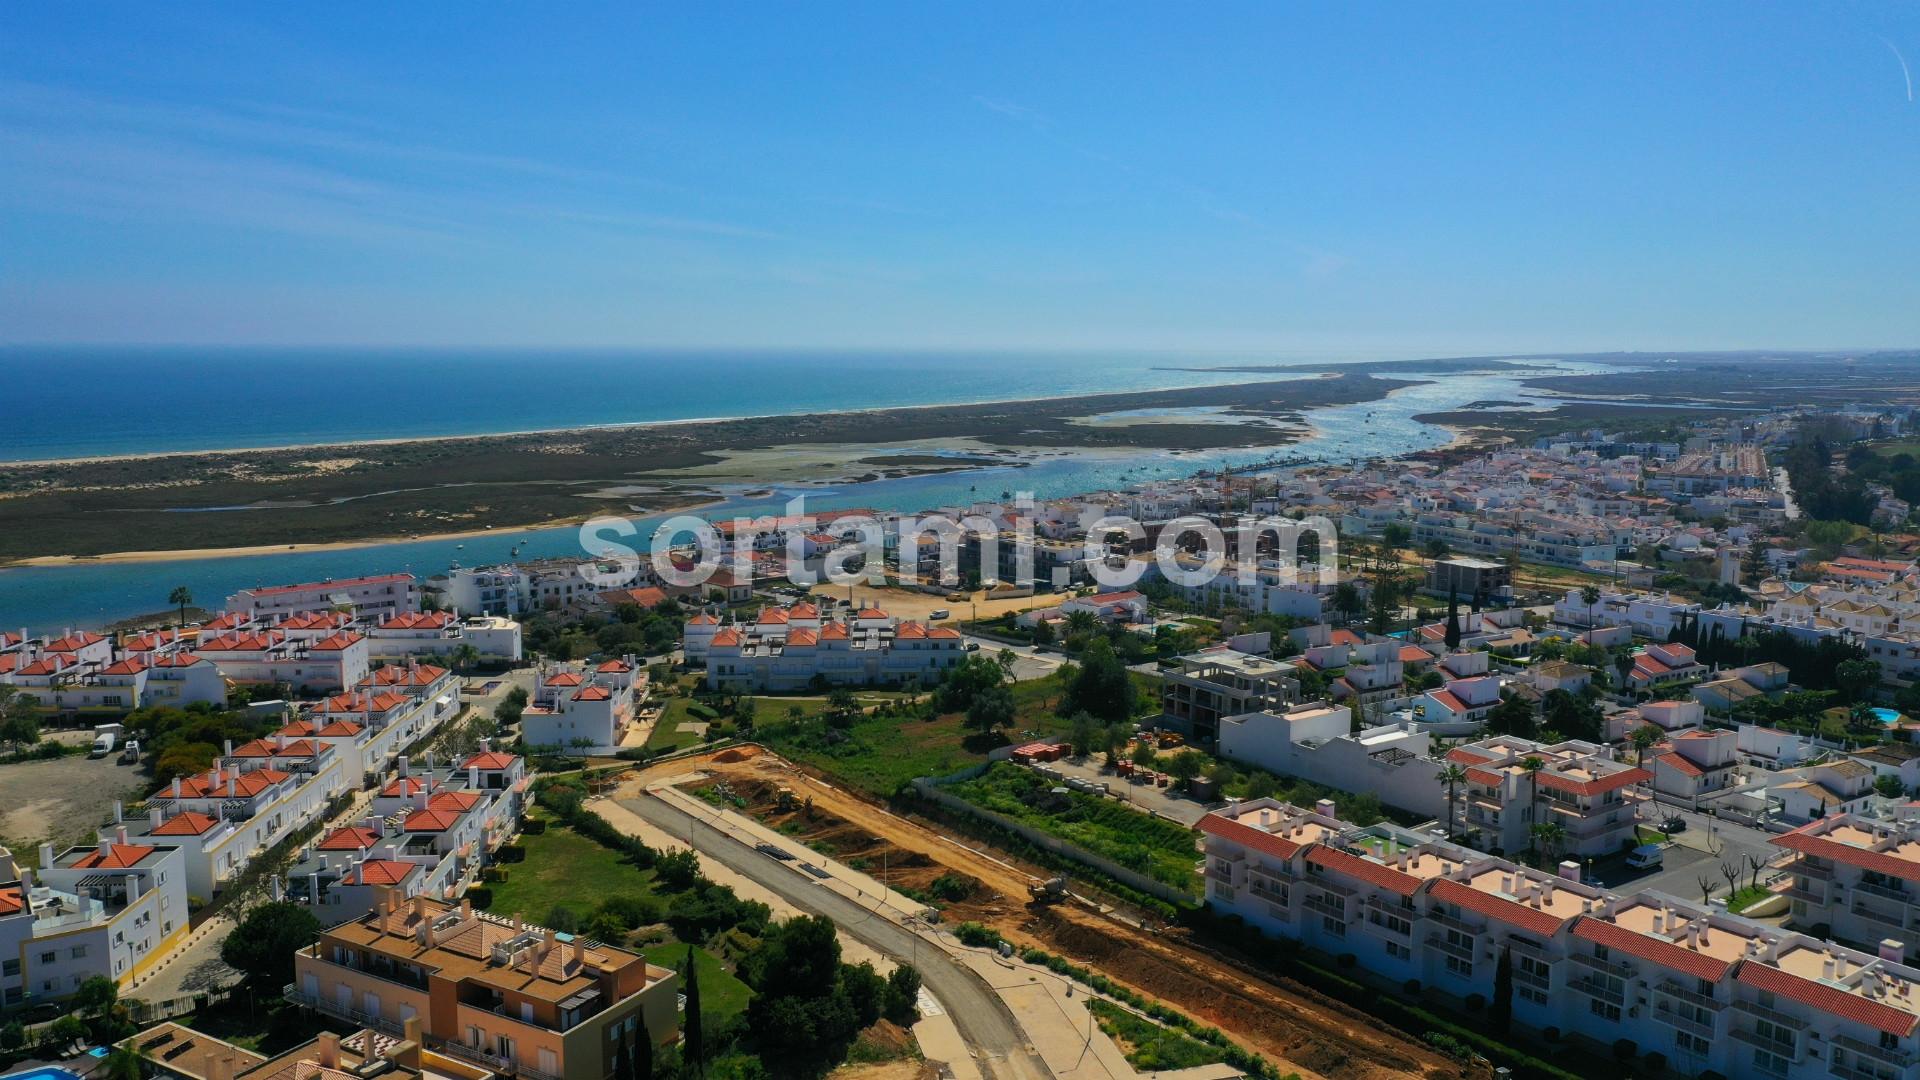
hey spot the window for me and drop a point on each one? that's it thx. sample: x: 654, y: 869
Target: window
x: 1604, y: 1010
x: 48, y: 958
x: 1333, y: 926
x: 78, y: 952
x: 1690, y: 1044
x: 1462, y: 968
x: 1889, y: 1041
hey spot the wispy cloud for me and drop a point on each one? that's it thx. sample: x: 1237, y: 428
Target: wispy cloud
x: 1904, y: 72
x: 314, y: 172
x: 1013, y: 110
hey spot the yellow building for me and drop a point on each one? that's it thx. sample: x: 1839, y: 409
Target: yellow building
x: 509, y: 997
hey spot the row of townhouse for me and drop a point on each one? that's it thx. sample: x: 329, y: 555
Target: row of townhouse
x: 377, y: 595
x: 1577, y: 785
x: 1653, y: 615
x: 1707, y: 990
x: 428, y: 833
x: 497, y: 994
x: 310, y: 651
x: 790, y: 648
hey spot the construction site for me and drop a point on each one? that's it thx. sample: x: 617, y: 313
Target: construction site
x: 1289, y: 1024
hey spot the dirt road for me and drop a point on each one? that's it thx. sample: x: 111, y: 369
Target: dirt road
x: 1289, y: 1024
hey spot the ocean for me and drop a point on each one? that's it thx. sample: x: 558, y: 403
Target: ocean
x: 68, y: 402
x: 53, y: 598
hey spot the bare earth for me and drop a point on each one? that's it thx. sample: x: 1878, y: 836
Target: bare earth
x: 62, y: 800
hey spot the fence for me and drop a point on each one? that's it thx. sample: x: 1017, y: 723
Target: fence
x: 929, y: 788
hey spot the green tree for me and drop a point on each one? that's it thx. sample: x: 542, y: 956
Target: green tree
x: 1452, y: 776
x: 96, y: 995
x: 1590, y: 596
x: 1396, y: 536
x: 1100, y: 687
x: 1889, y: 785
x: 1533, y: 765
x: 1081, y: 622
x: 1753, y: 565
x: 695, y: 1039
x: 1644, y: 737
x: 262, y: 945
x: 1502, y: 1012
x: 1346, y: 600
x: 991, y: 710
x: 1453, y: 622
x: 903, y: 995
x: 19, y: 718
x: 464, y: 657
x: 1185, y: 765
x: 1383, y: 602
x: 1436, y: 548
x: 180, y: 597
x: 1853, y: 678
x: 13, y: 1036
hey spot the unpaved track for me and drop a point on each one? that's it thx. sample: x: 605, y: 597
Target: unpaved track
x: 1288, y: 1023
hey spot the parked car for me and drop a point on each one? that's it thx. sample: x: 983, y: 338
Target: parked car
x: 939, y: 613
x: 1674, y: 824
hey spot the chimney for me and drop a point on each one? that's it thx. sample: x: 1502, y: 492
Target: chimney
x: 106, y: 846
x: 1324, y: 807
x: 406, y: 1052
x: 473, y: 778
x: 46, y: 856
x: 119, y: 811
x: 327, y: 1047
x: 579, y: 952
x: 226, y: 748
x: 1826, y: 967
x: 420, y: 798
x: 154, y: 817
x: 1570, y: 869
x: 1893, y: 951
x: 120, y: 835
x: 233, y: 787
x: 403, y: 764
x: 176, y: 787
x: 466, y: 909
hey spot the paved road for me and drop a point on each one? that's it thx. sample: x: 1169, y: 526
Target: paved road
x: 984, y: 1020
x: 1700, y: 850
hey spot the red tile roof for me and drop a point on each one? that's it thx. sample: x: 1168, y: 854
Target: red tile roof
x: 335, y: 643
x: 1610, y: 782
x: 1466, y: 756
x: 802, y: 638
x: 186, y: 824
x: 379, y: 872
x: 1346, y: 637
x: 1807, y: 843
x: 1827, y: 999
x: 117, y: 857
x: 1507, y: 911
x: 593, y: 693
x: 431, y: 820
x: 1260, y: 840
x: 343, y: 583
x: 1665, y: 953
x: 349, y: 838
x: 1679, y: 764
x: 11, y: 902
x: 1364, y: 869
x: 417, y: 620
x: 492, y: 760
x: 1448, y: 701
x: 566, y: 678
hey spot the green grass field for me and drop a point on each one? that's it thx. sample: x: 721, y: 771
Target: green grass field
x: 721, y: 995
x: 564, y: 869
x: 1161, y: 849
x: 878, y: 753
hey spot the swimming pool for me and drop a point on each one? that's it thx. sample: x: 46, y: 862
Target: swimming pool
x: 50, y: 1073
x: 1889, y: 717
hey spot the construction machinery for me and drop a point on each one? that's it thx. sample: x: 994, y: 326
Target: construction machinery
x: 1051, y: 891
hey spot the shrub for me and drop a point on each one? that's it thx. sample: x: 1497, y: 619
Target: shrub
x: 510, y: 853
x: 1624, y: 1049
x: 978, y: 936
x: 481, y: 896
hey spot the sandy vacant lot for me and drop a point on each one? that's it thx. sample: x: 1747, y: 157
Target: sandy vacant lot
x: 909, y: 604
x: 62, y: 800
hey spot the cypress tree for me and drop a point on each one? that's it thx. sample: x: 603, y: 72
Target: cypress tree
x: 695, y: 1040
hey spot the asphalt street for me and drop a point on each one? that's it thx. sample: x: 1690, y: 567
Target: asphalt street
x: 982, y: 1017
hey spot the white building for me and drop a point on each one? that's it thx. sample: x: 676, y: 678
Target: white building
x: 372, y: 597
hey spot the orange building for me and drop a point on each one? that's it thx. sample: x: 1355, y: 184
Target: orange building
x: 509, y: 997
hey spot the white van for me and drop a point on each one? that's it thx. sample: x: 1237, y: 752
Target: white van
x: 937, y: 614
x: 1644, y: 857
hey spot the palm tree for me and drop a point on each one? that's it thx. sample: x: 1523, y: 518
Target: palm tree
x: 180, y: 597
x: 1549, y: 836
x: 1533, y: 765
x: 1590, y: 595
x: 1081, y: 622
x: 1452, y: 776
x: 465, y: 657
x: 1346, y: 600
x: 1643, y: 738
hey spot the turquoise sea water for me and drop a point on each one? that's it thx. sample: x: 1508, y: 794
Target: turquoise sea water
x: 43, y: 598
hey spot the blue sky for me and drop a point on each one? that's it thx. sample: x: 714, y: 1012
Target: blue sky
x: 1290, y: 180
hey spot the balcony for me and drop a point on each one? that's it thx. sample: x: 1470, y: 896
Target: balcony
x: 1451, y: 948
x: 1448, y: 922
x: 1533, y: 979
x: 1259, y: 887
x: 1594, y: 963
x: 1808, y: 868
x: 1807, y: 895
x: 1322, y: 906
x: 474, y: 1055
x: 1674, y: 1020
x: 1783, y: 1047
x: 341, y: 1012
x: 1880, y: 917
x: 1773, y: 1016
x: 1692, y: 997
x: 1885, y: 892
x: 1899, y: 1059
x: 1594, y: 986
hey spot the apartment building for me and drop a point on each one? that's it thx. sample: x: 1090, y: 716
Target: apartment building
x: 1857, y: 877
x: 375, y: 596
x: 506, y: 996
x: 175, y: 1052
x: 441, y: 634
x: 1213, y: 684
x: 1316, y: 740
x: 273, y: 655
x: 1578, y: 786
x: 584, y: 707
x: 110, y: 909
x: 1662, y: 664
x: 1706, y: 990
x: 789, y: 648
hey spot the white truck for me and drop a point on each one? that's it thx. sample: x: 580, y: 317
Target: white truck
x: 105, y: 738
